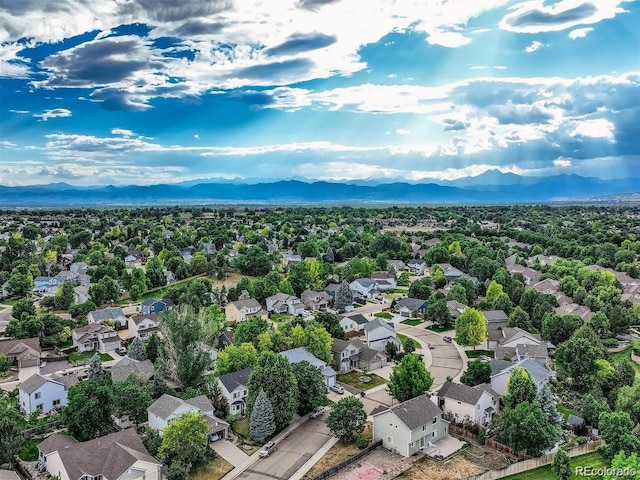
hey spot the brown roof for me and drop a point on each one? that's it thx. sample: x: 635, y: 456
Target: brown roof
x: 12, y: 348
x: 139, y: 318
x: 56, y: 442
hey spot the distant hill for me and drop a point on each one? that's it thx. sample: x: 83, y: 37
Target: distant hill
x: 487, y: 188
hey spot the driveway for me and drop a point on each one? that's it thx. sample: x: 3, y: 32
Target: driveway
x: 443, y: 360
x: 291, y: 453
x: 229, y: 452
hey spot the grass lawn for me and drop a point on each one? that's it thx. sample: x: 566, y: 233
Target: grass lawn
x: 11, y: 301
x: 353, y: 379
x: 404, y: 338
x: 281, y: 317
x: 241, y: 427
x: 66, y: 344
x: 386, y: 315
x: 213, y: 469
x: 30, y: 453
x: 478, y: 353
x: 439, y: 329
x: 78, y: 357
x: 626, y: 354
x: 396, y: 290
x: 594, y: 460
x: 565, y: 411
x: 412, y: 321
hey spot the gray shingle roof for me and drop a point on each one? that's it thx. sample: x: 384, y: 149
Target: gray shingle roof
x: 33, y: 383
x: 164, y: 406
x: 358, y: 318
x: 495, y: 316
x: 247, y: 303
x: 56, y: 442
x: 8, y: 475
x: 498, y: 365
x: 301, y: 354
x: 365, y: 282
x: 411, y: 303
x: 461, y: 393
x: 121, y: 370
x: 376, y: 323
x: 233, y: 380
x: 107, y: 313
x: 416, y: 412
x: 201, y: 402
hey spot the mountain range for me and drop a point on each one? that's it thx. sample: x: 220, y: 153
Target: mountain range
x: 490, y: 187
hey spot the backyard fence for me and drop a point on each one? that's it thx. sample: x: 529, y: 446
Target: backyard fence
x: 333, y: 470
x: 533, y: 463
x: 463, y: 432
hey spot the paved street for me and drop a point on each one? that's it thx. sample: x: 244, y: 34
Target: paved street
x: 291, y: 453
x: 5, y: 316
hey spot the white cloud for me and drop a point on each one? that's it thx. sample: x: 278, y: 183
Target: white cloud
x: 19, y: 112
x: 122, y: 131
x: 196, y: 136
x: 562, y: 162
x: 594, y: 128
x: 402, y: 131
x: 579, y: 33
x: 535, y: 45
x: 53, y: 113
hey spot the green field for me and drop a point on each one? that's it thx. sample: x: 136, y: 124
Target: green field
x: 594, y: 460
x: 30, y: 452
x: 353, y: 379
x: 78, y: 357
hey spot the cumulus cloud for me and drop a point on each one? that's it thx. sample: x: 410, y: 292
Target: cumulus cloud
x: 402, y: 131
x: 535, y: 17
x: 535, y: 45
x: 122, y: 131
x: 53, y: 113
x: 196, y: 136
x: 562, y: 162
x: 579, y: 33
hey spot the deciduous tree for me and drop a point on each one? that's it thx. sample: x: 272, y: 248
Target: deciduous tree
x: 89, y: 407
x: 311, y: 386
x: 347, y: 418
x: 409, y: 379
x: 477, y: 372
x: 520, y: 388
x: 471, y: 329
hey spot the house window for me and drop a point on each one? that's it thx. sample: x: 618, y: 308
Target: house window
x: 424, y: 427
x: 236, y: 394
x: 478, y: 407
x: 40, y: 407
x: 435, y: 419
x: 56, y: 403
x: 244, y: 393
x: 456, y: 415
x: 390, y: 440
x: 37, y: 395
x: 433, y: 435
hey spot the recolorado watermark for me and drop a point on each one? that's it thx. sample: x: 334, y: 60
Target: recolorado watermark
x: 605, y: 472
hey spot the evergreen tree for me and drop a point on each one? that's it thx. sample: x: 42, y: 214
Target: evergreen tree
x: 96, y: 371
x: 549, y: 406
x: 136, y: 350
x: 344, y: 297
x: 262, y: 422
x: 561, y: 465
x: 152, y: 347
x: 158, y: 385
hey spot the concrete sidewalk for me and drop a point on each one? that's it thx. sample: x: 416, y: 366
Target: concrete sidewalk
x: 229, y: 452
x: 302, y: 471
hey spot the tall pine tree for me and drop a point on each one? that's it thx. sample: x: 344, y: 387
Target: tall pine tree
x: 136, y: 350
x: 262, y: 423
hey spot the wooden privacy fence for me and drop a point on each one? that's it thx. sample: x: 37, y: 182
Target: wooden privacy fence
x: 463, y: 432
x: 333, y: 470
x: 533, y: 463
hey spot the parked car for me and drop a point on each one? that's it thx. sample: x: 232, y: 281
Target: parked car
x: 431, y: 346
x: 337, y: 388
x: 121, y: 351
x: 267, y: 449
x: 447, y: 339
x: 317, y: 412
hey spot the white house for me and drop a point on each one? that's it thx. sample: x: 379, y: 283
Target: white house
x: 353, y: 323
x: 300, y: 354
x: 167, y: 408
x: 417, y: 266
x: 410, y: 426
x: 118, y: 456
x: 143, y: 326
x: 378, y: 333
x: 365, y: 287
x: 283, y: 303
x: 315, y: 301
x: 110, y: 313
x: 519, y: 344
x: 40, y: 393
x: 501, y: 372
x: 385, y: 280
x: 478, y: 404
x: 95, y: 337
x: 234, y: 387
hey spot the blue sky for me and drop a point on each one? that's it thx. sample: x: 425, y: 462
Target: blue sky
x: 162, y: 91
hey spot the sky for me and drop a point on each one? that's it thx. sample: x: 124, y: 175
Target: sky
x: 97, y: 92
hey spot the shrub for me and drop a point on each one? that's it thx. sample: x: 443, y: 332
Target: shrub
x: 482, y: 436
x: 636, y: 349
x: 362, y: 442
x: 610, y: 342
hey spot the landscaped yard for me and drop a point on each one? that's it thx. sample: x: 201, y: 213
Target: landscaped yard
x: 565, y: 411
x: 241, y: 427
x: 479, y: 353
x: 594, y: 460
x: 412, y: 321
x: 212, y: 470
x: 79, y: 357
x: 396, y: 290
x: 353, y: 379
x: 30, y: 453
x: 386, y: 315
x: 404, y: 339
x: 437, y: 328
x: 626, y: 354
x: 281, y: 317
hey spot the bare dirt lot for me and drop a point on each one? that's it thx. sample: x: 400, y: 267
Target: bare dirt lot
x: 455, y: 468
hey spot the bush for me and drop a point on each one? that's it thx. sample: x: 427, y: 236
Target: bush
x: 610, y: 342
x: 582, y: 440
x: 177, y: 471
x: 362, y: 442
x: 636, y: 349
x: 482, y: 436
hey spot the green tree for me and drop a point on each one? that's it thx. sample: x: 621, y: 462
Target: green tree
x: 23, y: 308
x: 404, y: 279
x: 622, y: 462
x: 549, y: 406
x: 136, y: 350
x: 347, y: 418
x: 600, y: 324
x: 392, y: 349
x: 131, y: 400
x: 185, y: 440
x: 519, y: 318
x: 409, y: 379
x: 561, y: 466
x: 152, y: 441
x: 318, y: 341
x: 12, y: 439
x: 559, y: 328
x: 158, y: 385
x: 236, y: 357
x: 19, y: 285
x: 470, y: 288
x: 526, y: 417
x: 438, y: 312
x: 616, y: 429
x: 152, y: 347
x: 89, y: 407
x: 155, y: 273
x: 96, y: 371
x: 344, y: 297
x: 629, y: 401
x: 274, y: 374
x: 520, y: 388
x: 420, y: 288
x: 457, y: 293
x: 477, y: 372
x: 311, y: 386
x: 262, y: 421
x: 248, y: 331
x: 576, y: 358
x: 494, y: 290
x: 409, y: 345
x: 592, y: 408
x: 5, y: 363
x: 471, y: 329
x: 331, y: 323
x: 65, y: 296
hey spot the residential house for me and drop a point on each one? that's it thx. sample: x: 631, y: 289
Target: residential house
x: 477, y: 404
x: 130, y: 260
x: 332, y: 290
x: 432, y: 242
x: 234, y: 387
x: 542, y: 260
x: 66, y: 276
x: 155, y: 305
x: 499, y: 380
x: 38, y: 393
x: 410, y: 426
x: 81, y: 294
x: 365, y: 287
x: 284, y: 303
x: 127, y: 366
x: 511, y: 260
x: 496, y: 320
x: 80, y: 268
x: 353, y: 323
x: 118, y: 456
x: 417, y: 266
x: 315, y: 301
x: 408, y: 307
x: 24, y: 352
x: 143, y: 326
x: 224, y: 339
x: 530, y: 275
x: 290, y: 259
x: 46, y: 284
x: 8, y: 475
x: 455, y: 308
x: 167, y: 408
x: 95, y: 337
x: 518, y: 344
x: 209, y: 247
x: 451, y: 273
x: 114, y: 314
x: 582, y: 311
x: 385, y: 280
x: 378, y: 333
x: 398, y: 265
x: 301, y: 354
x: 350, y: 354
x: 240, y: 310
